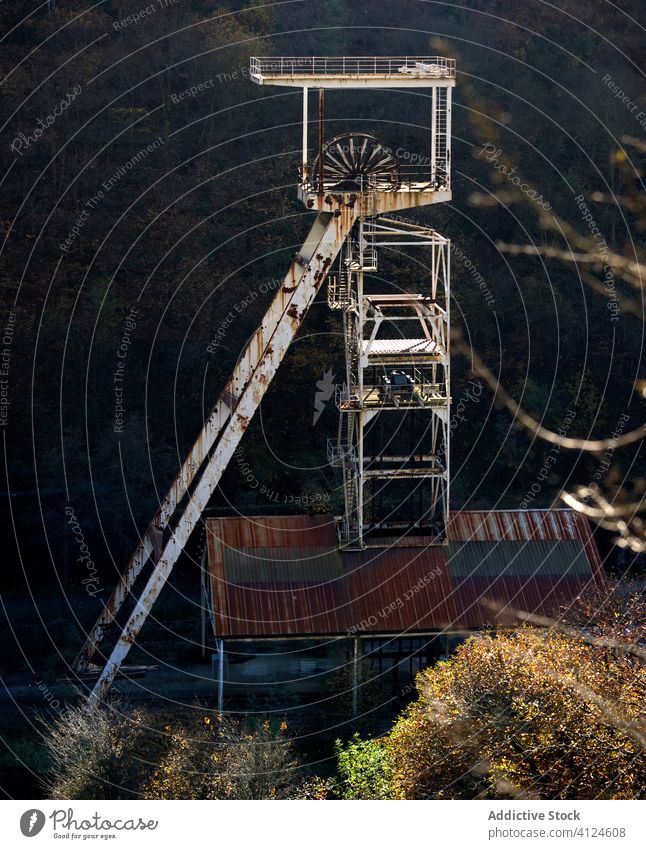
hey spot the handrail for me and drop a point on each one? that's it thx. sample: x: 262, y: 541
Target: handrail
x: 353, y: 66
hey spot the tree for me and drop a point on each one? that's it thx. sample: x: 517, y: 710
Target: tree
x: 96, y: 753
x: 220, y: 759
x: 534, y: 714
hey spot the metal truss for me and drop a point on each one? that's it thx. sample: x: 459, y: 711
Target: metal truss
x: 349, y: 224
x: 397, y: 367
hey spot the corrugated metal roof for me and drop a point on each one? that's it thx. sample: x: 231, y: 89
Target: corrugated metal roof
x: 517, y: 557
x: 282, y: 565
x: 400, y: 589
x: 274, y: 531
x: 277, y: 575
x: 295, y: 609
x: 513, y: 524
x: 488, y: 601
x: 283, y: 575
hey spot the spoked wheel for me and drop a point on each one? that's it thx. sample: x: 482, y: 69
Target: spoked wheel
x: 349, y: 160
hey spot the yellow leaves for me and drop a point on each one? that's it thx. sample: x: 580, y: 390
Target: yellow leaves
x: 551, y: 714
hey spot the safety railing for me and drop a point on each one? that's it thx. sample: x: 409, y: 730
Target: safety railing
x: 438, y: 67
x: 388, y: 395
x: 338, y: 454
x: 346, y: 398
x: 421, y: 175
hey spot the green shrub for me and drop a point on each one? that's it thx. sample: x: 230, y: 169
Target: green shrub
x: 363, y: 768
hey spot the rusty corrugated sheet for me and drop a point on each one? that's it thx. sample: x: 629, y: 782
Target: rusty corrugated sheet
x: 279, y: 565
x: 269, y: 531
x: 513, y: 525
x: 584, y: 533
x: 525, y: 558
x: 400, y: 589
x: 277, y: 576
x: 498, y: 600
x: 286, y: 609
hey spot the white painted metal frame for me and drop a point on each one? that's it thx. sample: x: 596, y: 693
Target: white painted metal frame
x: 353, y: 71
x: 364, y: 316
x: 242, y: 396
x: 181, y: 510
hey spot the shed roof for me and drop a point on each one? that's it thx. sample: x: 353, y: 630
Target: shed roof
x: 275, y: 576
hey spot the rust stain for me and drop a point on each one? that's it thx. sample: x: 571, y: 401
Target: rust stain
x: 292, y: 312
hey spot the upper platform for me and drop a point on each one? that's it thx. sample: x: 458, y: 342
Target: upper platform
x: 354, y: 71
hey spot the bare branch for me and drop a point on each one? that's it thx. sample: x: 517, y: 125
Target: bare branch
x: 638, y: 144
x: 630, y: 271
x: 504, y: 399
x: 631, y: 533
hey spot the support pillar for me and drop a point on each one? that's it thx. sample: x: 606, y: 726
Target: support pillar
x: 433, y: 136
x: 203, y: 600
x: 356, y: 674
x: 220, y: 646
x: 304, y: 156
x: 321, y: 138
x: 448, y: 139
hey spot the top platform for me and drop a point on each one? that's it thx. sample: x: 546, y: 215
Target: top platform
x: 353, y: 71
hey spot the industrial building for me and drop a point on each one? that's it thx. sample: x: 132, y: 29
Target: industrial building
x: 398, y: 578
x: 294, y: 607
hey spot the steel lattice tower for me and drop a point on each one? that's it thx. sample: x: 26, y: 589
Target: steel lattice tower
x: 394, y: 376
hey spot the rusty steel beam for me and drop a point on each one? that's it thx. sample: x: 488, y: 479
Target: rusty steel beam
x: 244, y: 392
x: 150, y: 543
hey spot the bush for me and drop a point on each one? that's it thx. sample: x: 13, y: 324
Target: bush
x: 96, y: 753
x: 534, y: 714
x: 219, y: 759
x: 102, y: 753
x: 363, y: 769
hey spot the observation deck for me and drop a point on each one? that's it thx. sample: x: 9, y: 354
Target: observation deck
x: 354, y: 71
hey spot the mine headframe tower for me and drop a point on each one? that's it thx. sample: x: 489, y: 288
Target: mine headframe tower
x: 397, y: 380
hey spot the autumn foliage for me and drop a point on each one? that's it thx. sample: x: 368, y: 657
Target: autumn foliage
x: 533, y: 714
x: 214, y: 758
